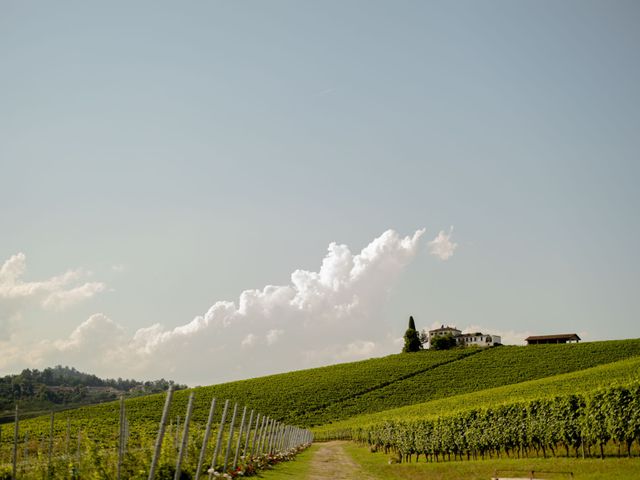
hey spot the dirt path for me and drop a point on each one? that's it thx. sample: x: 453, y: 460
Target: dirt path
x: 331, y: 462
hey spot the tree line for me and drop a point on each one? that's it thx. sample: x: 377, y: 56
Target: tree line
x: 66, y: 385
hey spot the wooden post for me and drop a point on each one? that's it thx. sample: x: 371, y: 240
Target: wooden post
x: 270, y: 438
x: 185, y: 438
x: 230, y: 441
x: 205, y: 440
x: 219, y: 437
x: 252, y: 451
x: 160, y: 437
x: 120, y: 439
x: 267, y: 434
x: 26, y: 447
x: 263, y: 426
x: 49, y: 472
x: 240, y: 432
x: 176, y: 439
x: 14, y: 474
x: 246, y: 440
x: 68, y: 437
x: 79, y: 446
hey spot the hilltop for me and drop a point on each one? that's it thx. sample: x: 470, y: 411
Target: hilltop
x: 329, y: 394
x: 37, y: 391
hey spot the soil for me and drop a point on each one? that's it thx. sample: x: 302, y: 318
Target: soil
x: 331, y: 462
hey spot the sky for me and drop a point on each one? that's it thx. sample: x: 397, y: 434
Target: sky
x: 209, y: 191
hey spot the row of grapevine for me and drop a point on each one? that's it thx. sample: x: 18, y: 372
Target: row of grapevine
x: 235, y: 442
x: 577, y: 423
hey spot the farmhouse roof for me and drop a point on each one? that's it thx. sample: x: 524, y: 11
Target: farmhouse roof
x: 562, y: 336
x: 443, y: 328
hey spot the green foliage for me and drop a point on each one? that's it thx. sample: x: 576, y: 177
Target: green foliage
x: 412, y: 323
x: 594, y: 419
x: 586, y: 380
x: 453, y: 379
x: 412, y: 342
x: 443, y: 342
x: 53, y: 388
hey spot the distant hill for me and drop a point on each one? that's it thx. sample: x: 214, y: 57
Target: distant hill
x: 56, y: 388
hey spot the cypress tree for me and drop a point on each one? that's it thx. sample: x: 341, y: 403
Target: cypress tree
x: 412, y: 341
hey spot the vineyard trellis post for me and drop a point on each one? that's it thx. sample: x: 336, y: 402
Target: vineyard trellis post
x: 205, y: 440
x: 68, y: 436
x: 50, y: 455
x: 254, y: 437
x: 185, y: 438
x: 230, y: 441
x: 14, y: 470
x: 176, y: 438
x: 240, y: 432
x: 79, y: 445
x: 120, y: 439
x: 25, y: 454
x: 219, y: 438
x: 246, y: 441
x: 161, y: 429
x: 263, y: 431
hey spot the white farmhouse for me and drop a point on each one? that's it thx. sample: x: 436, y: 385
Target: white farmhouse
x: 477, y: 338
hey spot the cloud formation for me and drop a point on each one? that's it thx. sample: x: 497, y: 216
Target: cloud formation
x: 442, y: 246
x: 319, y: 317
x: 326, y: 316
x: 55, y: 293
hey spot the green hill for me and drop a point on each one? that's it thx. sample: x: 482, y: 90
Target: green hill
x: 620, y: 372
x: 329, y: 394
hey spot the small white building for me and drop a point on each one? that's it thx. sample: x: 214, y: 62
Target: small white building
x: 479, y: 339
x: 466, y: 339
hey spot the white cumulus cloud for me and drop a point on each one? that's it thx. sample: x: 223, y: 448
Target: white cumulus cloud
x: 56, y: 293
x: 442, y: 246
x: 319, y: 317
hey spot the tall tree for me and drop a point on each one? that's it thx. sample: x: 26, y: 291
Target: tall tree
x: 412, y: 341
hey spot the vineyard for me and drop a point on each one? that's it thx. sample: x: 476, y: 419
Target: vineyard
x: 581, y: 381
x: 243, y: 445
x: 582, y: 424
x: 394, y: 402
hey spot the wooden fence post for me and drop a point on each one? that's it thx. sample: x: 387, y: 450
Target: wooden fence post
x: 254, y: 437
x: 240, y: 432
x: 205, y: 440
x: 49, y: 466
x: 230, y: 441
x: 185, y: 438
x: 161, y: 429
x: 219, y: 437
x: 246, y: 440
x: 26, y: 447
x: 120, y: 439
x: 14, y: 474
x: 68, y: 437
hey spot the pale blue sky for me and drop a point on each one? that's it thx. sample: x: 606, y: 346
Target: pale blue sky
x: 211, y: 147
